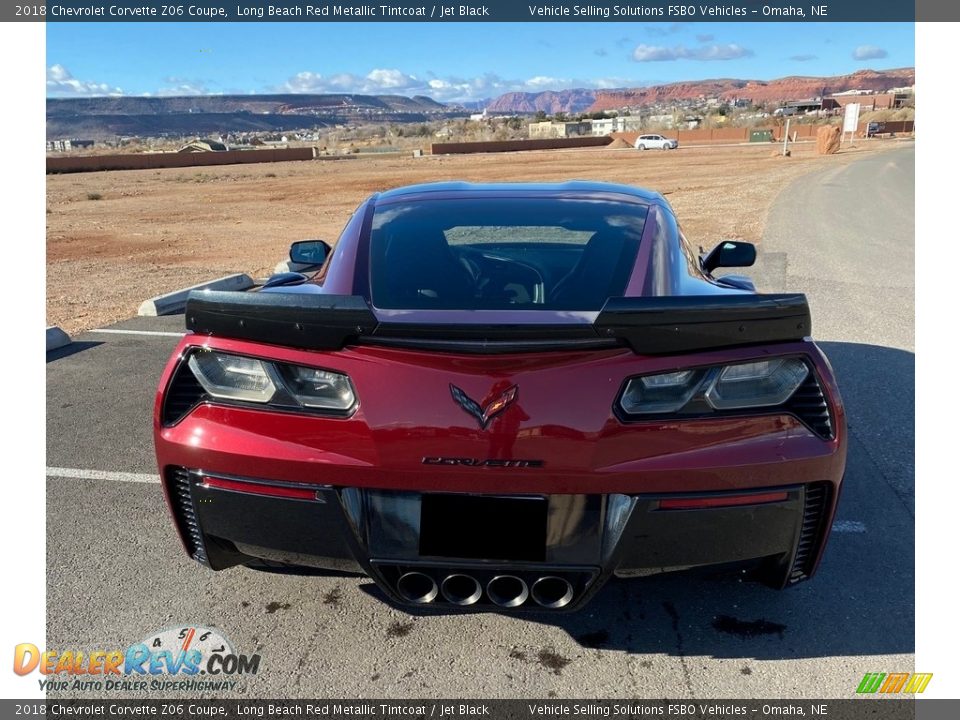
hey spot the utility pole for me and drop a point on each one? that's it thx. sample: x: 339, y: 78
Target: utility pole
x: 786, y: 135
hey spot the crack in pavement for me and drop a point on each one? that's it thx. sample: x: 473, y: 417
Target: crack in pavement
x: 675, y: 620
x: 878, y: 468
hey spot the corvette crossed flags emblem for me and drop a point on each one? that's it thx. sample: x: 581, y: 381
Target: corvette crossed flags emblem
x: 483, y: 415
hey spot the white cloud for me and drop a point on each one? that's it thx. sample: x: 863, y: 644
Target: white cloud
x: 869, y: 52
x: 183, y: 87
x: 60, y: 82
x: 379, y: 80
x: 661, y: 53
x: 442, y: 89
x: 392, y: 79
x: 544, y: 82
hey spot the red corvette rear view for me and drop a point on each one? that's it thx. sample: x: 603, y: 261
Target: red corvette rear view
x: 501, y: 396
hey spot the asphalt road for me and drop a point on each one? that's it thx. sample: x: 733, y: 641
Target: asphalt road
x: 115, y: 571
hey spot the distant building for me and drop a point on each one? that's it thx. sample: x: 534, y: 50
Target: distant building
x: 825, y: 106
x: 203, y: 145
x: 550, y: 129
x: 605, y: 126
x: 878, y: 101
x: 64, y: 145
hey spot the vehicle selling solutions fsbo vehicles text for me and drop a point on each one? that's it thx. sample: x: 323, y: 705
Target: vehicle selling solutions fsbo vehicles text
x: 637, y: 11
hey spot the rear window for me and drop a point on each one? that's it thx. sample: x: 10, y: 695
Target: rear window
x: 495, y: 253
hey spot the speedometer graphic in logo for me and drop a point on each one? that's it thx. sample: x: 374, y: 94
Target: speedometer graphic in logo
x: 184, y: 639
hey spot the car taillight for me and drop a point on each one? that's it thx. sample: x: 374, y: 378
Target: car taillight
x: 232, y: 378
x: 738, y: 386
x: 756, y: 384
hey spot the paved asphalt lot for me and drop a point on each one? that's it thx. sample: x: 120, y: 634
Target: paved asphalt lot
x: 116, y: 572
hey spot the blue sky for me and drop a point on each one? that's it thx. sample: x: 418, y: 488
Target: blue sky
x: 450, y: 62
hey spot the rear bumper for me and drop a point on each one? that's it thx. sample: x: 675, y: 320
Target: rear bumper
x: 346, y: 493
x: 588, y: 538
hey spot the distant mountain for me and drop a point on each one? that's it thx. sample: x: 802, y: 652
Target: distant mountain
x: 760, y: 91
x: 550, y: 101
x: 105, y: 117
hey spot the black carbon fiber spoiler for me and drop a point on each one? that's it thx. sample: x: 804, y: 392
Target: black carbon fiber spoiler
x: 309, y: 321
x: 661, y: 325
x: 649, y: 326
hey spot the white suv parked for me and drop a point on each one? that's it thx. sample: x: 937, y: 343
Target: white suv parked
x: 655, y: 142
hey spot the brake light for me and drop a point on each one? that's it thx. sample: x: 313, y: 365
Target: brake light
x: 721, y: 501
x: 283, y: 491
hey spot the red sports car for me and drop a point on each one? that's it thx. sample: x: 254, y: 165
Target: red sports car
x: 500, y: 396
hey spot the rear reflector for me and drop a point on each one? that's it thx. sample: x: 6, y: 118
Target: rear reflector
x: 282, y: 491
x: 721, y: 501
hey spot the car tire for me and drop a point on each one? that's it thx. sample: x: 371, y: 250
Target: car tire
x: 665, y: 146
x: 641, y: 146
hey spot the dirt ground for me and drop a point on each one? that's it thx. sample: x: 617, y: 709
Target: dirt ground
x: 117, y: 238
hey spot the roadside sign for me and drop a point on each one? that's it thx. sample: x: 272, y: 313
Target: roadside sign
x: 851, y: 116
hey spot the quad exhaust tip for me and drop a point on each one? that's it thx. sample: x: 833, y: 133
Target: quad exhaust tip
x: 417, y: 587
x: 507, y: 591
x: 552, y: 592
x: 461, y: 589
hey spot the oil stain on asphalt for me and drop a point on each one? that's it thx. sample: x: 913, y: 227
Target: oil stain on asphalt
x: 747, y: 628
x: 272, y: 607
x: 551, y: 661
x: 398, y: 629
x: 547, y: 658
x: 332, y: 597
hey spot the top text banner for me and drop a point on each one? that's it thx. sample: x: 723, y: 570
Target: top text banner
x: 480, y: 11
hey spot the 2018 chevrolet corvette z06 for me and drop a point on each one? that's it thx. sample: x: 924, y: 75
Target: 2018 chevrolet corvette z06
x: 501, y: 396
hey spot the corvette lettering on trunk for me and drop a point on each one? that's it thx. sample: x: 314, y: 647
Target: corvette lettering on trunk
x: 478, y: 462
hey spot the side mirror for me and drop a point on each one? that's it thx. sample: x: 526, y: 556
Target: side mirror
x: 309, y: 252
x: 729, y: 253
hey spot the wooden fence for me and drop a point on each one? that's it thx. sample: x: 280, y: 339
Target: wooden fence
x: 146, y: 161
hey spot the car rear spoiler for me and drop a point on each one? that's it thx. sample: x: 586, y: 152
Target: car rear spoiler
x: 663, y: 325
x: 649, y: 326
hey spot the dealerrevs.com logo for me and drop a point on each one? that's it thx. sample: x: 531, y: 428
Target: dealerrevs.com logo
x: 186, y: 658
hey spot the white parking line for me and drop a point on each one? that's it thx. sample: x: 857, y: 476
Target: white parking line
x: 76, y: 474
x: 155, y: 333
x: 849, y: 526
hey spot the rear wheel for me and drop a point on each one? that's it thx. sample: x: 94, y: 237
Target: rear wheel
x: 641, y: 146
